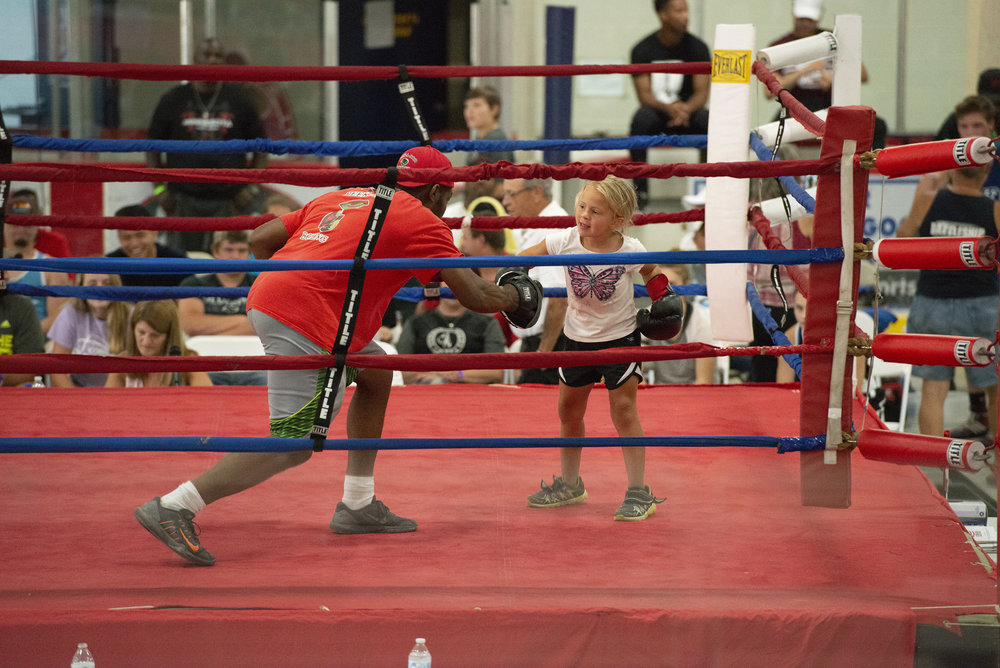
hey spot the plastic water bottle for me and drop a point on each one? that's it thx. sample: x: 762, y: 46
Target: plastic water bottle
x: 84, y: 659
x: 38, y: 382
x: 419, y: 656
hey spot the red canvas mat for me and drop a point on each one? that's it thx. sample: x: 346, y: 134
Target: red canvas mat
x: 731, y: 569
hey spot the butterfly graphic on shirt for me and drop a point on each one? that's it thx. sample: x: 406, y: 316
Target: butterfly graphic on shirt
x: 601, y: 285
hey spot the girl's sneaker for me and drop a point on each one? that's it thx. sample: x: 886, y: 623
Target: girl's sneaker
x: 558, y: 494
x: 638, y: 504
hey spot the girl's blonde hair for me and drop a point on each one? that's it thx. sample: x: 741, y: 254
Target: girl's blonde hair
x: 117, y: 318
x: 162, y: 316
x: 619, y: 194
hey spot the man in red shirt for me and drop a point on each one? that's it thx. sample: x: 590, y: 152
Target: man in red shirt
x: 298, y: 313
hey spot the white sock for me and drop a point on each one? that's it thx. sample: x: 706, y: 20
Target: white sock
x: 186, y: 496
x: 358, y: 491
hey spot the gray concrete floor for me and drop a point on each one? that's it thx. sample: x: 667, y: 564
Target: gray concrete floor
x: 956, y: 485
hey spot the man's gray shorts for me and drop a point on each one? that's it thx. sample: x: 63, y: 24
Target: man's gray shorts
x: 292, y: 393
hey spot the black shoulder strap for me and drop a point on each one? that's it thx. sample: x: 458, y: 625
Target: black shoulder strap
x: 348, y: 314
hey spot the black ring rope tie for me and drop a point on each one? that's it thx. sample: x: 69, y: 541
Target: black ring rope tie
x: 406, y: 90
x: 345, y: 331
x: 783, y: 114
x: 775, y: 269
x: 776, y: 282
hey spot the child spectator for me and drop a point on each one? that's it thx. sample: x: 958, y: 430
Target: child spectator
x: 155, y: 331
x: 89, y: 327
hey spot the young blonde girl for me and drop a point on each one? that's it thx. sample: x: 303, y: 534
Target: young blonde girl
x: 155, y: 329
x: 601, y: 314
x: 89, y: 327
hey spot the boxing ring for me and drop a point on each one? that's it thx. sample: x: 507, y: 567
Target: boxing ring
x: 800, y: 555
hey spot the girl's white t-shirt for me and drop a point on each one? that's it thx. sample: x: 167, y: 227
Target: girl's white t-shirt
x: 600, y: 298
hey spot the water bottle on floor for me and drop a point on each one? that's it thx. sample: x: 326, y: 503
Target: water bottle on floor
x: 84, y: 659
x: 419, y: 656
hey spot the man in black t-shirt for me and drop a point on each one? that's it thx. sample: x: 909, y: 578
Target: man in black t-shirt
x: 20, y: 332
x: 953, y: 302
x: 206, y: 111
x: 451, y: 328
x: 671, y: 103
x: 219, y: 314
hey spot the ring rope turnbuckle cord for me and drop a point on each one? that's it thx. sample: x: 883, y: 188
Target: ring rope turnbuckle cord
x: 406, y: 90
x: 6, y: 154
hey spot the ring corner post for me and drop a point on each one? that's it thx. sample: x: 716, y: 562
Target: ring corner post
x: 826, y: 398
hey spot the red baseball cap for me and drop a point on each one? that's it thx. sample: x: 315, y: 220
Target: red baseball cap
x: 424, y: 157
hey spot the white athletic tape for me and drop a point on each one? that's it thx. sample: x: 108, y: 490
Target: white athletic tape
x: 774, y: 210
x: 793, y: 132
x: 798, y: 52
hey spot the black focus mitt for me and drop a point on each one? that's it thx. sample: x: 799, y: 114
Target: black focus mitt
x: 664, y: 319
x: 529, y: 297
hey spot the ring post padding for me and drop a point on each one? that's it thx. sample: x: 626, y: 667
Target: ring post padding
x: 921, y: 450
x: 933, y: 349
x: 798, y: 52
x: 934, y: 156
x: 829, y: 485
x: 726, y: 198
x: 846, y: 88
x: 936, y: 253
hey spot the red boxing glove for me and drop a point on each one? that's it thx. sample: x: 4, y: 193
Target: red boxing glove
x: 658, y: 287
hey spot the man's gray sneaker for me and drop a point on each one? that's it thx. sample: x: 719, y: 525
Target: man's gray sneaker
x: 975, y: 427
x: 175, y: 529
x: 373, y: 518
x: 558, y: 494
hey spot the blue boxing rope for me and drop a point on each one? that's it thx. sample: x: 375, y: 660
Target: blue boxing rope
x: 350, y: 148
x: 126, y: 293
x: 70, y: 444
x: 148, y: 265
x: 791, y: 185
x: 763, y: 314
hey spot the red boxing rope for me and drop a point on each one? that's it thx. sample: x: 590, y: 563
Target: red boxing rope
x: 933, y: 349
x: 934, y: 156
x: 49, y: 171
x: 799, y: 111
x: 936, y: 253
x: 920, y: 450
x: 327, y: 73
x: 773, y: 242
x: 139, y: 222
x: 43, y: 363
x: 251, y: 222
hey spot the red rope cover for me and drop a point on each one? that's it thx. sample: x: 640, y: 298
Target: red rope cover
x: 43, y: 363
x: 799, y: 111
x: 921, y: 450
x: 49, y: 171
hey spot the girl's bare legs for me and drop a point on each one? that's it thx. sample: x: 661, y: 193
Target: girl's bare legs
x: 572, y: 408
x: 625, y: 417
